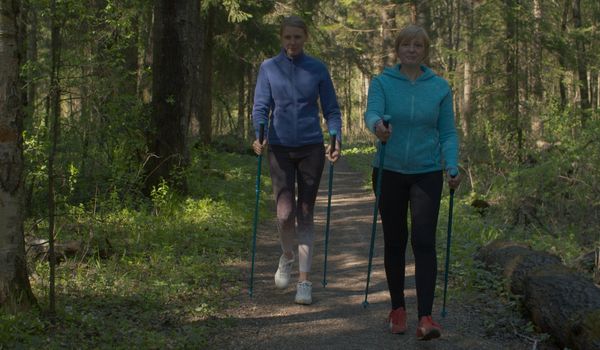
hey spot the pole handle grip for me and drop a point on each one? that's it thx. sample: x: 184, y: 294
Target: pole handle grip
x: 386, y: 123
x: 261, y: 132
x: 333, y: 142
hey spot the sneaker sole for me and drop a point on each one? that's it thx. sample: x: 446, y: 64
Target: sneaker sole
x: 396, y: 331
x: 434, y: 333
x: 281, y: 285
x: 303, y: 302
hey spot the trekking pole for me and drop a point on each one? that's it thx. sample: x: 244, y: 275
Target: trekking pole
x: 453, y: 174
x: 375, y: 210
x: 261, y: 137
x: 333, y: 136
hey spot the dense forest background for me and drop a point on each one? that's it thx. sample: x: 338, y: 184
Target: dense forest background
x: 128, y: 104
x: 524, y: 74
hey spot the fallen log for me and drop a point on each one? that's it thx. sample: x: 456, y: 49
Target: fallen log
x: 559, y: 300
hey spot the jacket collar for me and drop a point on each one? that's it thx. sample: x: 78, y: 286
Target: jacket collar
x: 296, y: 59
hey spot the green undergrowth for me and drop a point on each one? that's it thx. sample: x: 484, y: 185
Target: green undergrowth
x: 155, y: 274
x: 360, y: 157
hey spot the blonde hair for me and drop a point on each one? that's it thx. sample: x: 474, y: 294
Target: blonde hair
x: 410, y: 33
x: 293, y: 21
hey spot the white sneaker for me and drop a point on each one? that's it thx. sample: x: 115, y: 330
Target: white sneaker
x: 304, y: 293
x: 284, y: 271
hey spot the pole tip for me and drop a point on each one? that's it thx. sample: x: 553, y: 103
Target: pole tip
x: 365, y: 304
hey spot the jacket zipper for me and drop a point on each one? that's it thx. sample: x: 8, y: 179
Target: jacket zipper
x: 410, y: 129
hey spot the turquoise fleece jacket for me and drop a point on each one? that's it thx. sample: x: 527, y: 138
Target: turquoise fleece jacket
x: 288, y: 91
x: 424, y: 137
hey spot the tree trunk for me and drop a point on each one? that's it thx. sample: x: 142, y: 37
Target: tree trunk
x: 144, y: 84
x: 388, y: 23
x: 467, y: 106
x: 54, y: 127
x: 581, y: 64
x: 421, y: 14
x: 562, y: 57
x: 512, y: 71
x: 175, y: 89
x: 537, y: 127
x: 15, y: 290
x: 348, y: 83
x: 206, y: 108
x: 250, y: 81
x: 560, y: 302
x: 241, y: 100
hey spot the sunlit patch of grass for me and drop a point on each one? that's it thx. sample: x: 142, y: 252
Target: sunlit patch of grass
x: 165, y: 271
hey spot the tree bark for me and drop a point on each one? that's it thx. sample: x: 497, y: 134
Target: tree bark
x: 584, y: 101
x: 175, y: 90
x: 421, y: 14
x: 537, y: 126
x: 241, y: 100
x: 512, y: 71
x: 467, y: 105
x: 206, y: 107
x: 15, y: 290
x: 144, y: 84
x: 388, y: 23
x: 54, y: 96
x: 559, y: 301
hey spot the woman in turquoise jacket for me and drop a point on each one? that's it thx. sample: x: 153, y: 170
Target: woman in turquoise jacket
x: 421, y: 145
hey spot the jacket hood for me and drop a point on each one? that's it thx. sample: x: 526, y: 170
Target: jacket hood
x: 394, y: 72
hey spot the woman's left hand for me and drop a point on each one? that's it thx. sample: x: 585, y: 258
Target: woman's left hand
x: 333, y: 157
x: 453, y: 182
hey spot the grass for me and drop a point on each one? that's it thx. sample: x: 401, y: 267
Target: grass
x: 155, y: 277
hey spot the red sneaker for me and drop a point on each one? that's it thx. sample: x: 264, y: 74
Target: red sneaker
x: 397, y: 321
x: 428, y: 329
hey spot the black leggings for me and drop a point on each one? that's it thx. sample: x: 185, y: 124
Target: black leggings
x: 423, y: 193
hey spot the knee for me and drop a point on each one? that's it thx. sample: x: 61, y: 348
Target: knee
x: 285, y: 216
x: 423, y: 245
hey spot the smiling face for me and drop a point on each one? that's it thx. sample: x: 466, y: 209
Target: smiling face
x: 412, y: 52
x: 292, y: 40
x: 412, y: 45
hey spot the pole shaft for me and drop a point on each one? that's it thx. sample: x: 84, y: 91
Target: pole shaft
x: 375, y: 212
x: 448, y: 243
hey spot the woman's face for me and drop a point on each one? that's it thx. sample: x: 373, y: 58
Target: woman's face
x: 412, y: 52
x: 292, y: 40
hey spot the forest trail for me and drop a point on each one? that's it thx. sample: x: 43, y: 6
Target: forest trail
x: 336, y: 319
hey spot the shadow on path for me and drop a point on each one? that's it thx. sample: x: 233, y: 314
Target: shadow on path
x: 336, y: 319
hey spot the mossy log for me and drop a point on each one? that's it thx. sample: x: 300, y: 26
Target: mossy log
x: 559, y: 300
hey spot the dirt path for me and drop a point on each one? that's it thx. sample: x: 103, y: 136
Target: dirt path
x: 336, y: 319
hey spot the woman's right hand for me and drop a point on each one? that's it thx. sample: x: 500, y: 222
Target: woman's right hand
x: 382, y: 132
x: 258, y: 147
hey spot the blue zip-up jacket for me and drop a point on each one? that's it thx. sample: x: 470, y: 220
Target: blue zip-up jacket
x: 288, y: 91
x: 422, y: 119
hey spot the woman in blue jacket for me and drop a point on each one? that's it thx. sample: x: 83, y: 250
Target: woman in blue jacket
x: 421, y: 145
x: 287, y: 95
